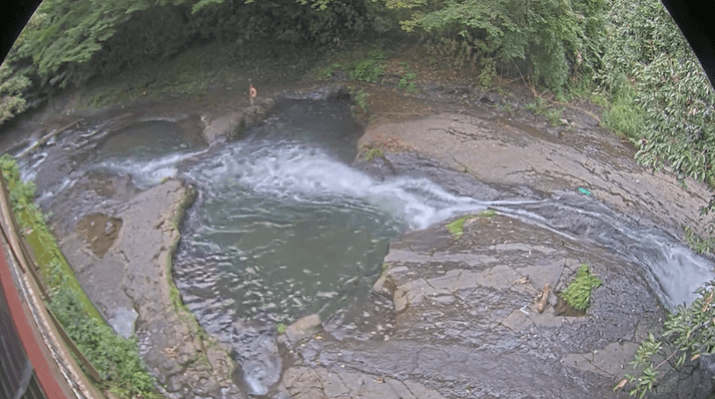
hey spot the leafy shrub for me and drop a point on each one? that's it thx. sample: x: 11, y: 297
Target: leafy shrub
x: 12, y: 87
x: 371, y: 68
x: 625, y: 117
x: 578, y: 293
x: 115, y: 357
x: 699, y: 243
x: 688, y: 334
x: 557, y: 38
x: 651, y: 68
x: 407, y: 83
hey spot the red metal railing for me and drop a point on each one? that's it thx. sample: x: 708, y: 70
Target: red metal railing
x: 25, y: 372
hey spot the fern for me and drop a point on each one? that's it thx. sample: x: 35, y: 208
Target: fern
x: 578, y: 293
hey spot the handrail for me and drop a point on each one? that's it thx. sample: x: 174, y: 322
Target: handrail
x: 44, y: 319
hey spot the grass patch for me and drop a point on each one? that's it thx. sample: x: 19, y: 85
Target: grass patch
x: 372, y: 153
x: 578, y: 293
x: 361, y: 64
x: 115, y: 358
x: 624, y: 117
x: 369, y: 65
x: 540, y: 107
x: 457, y: 227
x: 487, y: 213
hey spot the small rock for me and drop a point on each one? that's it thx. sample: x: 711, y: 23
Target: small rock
x: 303, y: 328
x: 108, y: 228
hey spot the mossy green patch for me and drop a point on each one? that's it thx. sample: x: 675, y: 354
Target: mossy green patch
x: 115, y: 358
x: 54, y: 269
x: 456, y: 227
x: 489, y: 213
x: 373, y: 153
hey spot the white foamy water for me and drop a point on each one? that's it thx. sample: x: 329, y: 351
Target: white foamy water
x: 299, y: 173
x: 146, y: 173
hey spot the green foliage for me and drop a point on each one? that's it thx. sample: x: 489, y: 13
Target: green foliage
x: 556, y: 37
x: 326, y: 72
x: 372, y: 153
x: 67, y: 32
x: 671, y: 99
x: 624, y: 117
x: 115, y: 357
x: 456, y: 227
x: 359, y: 108
x: 281, y: 328
x: 688, y: 334
x: 371, y: 68
x: 489, y: 213
x: 12, y: 87
x: 540, y: 107
x: 699, y: 243
x: 578, y: 293
x: 407, y: 83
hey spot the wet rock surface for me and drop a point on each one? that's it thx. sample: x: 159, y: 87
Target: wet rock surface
x: 131, y: 278
x: 448, y: 318
x: 464, y: 320
x: 519, y: 151
x: 467, y: 325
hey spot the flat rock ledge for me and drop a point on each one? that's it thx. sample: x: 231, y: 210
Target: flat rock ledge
x: 467, y: 324
x: 131, y: 284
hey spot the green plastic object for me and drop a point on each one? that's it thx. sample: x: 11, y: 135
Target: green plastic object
x: 584, y: 191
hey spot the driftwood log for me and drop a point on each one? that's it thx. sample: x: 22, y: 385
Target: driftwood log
x: 46, y: 138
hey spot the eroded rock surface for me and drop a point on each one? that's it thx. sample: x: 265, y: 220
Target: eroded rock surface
x: 464, y: 321
x: 132, y: 277
x: 448, y: 318
x: 511, y: 151
x: 467, y: 323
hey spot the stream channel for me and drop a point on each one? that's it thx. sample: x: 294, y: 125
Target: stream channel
x: 283, y: 226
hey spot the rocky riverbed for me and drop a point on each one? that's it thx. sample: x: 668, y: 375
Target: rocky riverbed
x: 449, y: 317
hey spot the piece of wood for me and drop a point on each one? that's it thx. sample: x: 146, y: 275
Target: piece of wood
x: 543, y: 299
x: 46, y: 138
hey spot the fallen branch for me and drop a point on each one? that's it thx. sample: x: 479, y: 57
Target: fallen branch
x: 46, y: 138
x: 544, y: 299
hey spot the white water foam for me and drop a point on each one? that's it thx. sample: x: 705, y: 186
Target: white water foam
x: 294, y: 172
x: 146, y: 173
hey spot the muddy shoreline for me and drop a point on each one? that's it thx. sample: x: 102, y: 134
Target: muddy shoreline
x: 449, y: 318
